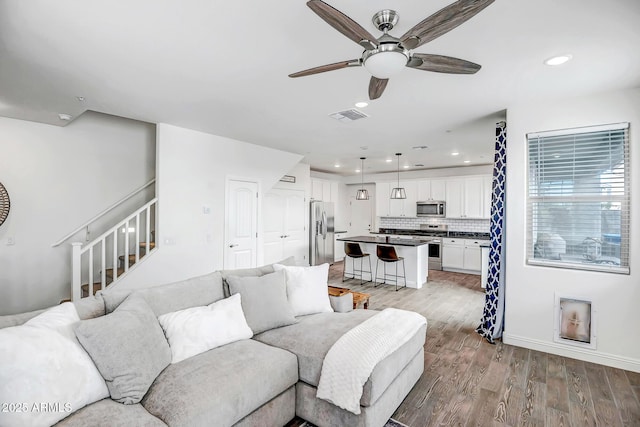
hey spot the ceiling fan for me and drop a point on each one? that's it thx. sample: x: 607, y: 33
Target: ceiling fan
x: 387, y: 55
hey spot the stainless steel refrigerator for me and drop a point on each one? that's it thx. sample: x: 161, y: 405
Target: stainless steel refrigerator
x: 321, y: 241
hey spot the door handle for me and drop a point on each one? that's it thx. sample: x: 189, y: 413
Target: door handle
x: 233, y: 245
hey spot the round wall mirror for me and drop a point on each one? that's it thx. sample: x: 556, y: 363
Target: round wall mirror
x: 5, y: 204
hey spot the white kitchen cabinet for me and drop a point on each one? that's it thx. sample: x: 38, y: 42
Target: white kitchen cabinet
x: 338, y: 252
x: 472, y: 255
x: 284, y: 226
x: 453, y: 254
x: 438, y: 189
x: 468, y: 197
x: 487, y: 191
x: 431, y: 189
x: 404, y: 207
x: 455, y: 198
x: 386, y: 206
x: 383, y: 192
x: 473, y: 198
x: 461, y: 255
x: 325, y: 190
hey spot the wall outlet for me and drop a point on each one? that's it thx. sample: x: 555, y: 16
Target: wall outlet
x: 10, y: 241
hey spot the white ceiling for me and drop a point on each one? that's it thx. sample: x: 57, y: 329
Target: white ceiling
x: 221, y: 68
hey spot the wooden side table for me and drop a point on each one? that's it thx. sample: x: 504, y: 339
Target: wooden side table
x: 358, y: 297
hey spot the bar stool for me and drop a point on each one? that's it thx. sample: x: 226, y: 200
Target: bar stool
x: 388, y: 254
x: 353, y: 251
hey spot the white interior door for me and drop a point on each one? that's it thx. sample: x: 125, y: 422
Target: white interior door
x: 284, y: 226
x: 241, y: 242
x: 273, y: 207
x: 361, y: 216
x: 295, y: 227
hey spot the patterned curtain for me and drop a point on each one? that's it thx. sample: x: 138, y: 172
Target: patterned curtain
x: 493, y: 316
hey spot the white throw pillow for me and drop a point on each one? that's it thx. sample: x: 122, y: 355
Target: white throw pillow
x: 197, y: 329
x: 307, y: 288
x: 44, y: 372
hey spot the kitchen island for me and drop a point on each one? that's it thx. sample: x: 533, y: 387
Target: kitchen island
x: 414, y: 252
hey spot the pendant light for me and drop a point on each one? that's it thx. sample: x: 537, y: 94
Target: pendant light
x: 362, y: 193
x: 398, y: 192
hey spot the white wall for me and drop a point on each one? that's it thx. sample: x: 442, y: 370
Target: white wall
x: 530, y: 290
x: 58, y: 178
x: 192, y: 169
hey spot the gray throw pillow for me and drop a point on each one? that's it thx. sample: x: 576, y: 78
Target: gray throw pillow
x: 252, y: 272
x: 128, y: 347
x: 264, y: 300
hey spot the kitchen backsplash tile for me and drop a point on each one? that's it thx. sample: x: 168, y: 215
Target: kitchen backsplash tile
x: 476, y: 225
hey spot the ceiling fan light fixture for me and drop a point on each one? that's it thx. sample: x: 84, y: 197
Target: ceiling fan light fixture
x: 385, y: 61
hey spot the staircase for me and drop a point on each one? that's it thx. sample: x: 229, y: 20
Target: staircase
x: 97, y: 286
x: 101, y: 262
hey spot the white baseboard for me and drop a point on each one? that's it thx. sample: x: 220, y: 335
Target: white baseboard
x: 626, y: 363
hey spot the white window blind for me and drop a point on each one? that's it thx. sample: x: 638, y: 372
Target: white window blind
x: 578, y: 198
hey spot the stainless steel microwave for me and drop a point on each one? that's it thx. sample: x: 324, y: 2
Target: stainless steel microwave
x: 432, y: 208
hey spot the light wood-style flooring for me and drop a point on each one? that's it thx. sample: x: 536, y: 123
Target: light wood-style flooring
x: 469, y: 382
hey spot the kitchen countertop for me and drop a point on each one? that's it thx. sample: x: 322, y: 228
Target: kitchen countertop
x: 457, y: 234
x: 382, y: 240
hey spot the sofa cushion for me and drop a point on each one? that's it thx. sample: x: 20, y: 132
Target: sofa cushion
x: 128, y: 347
x: 252, y: 272
x: 87, y: 308
x: 197, y: 329
x: 108, y: 413
x: 221, y: 386
x: 264, y: 300
x: 311, y: 338
x: 42, y: 362
x: 193, y: 292
x: 307, y: 288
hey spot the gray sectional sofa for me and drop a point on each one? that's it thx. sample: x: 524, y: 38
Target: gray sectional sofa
x: 263, y: 381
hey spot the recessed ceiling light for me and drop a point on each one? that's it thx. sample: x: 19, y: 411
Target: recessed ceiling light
x: 336, y: 165
x: 556, y: 156
x: 558, y: 60
x: 406, y: 166
x: 467, y: 161
x: 361, y: 104
x: 80, y: 98
x: 388, y: 160
x: 357, y: 170
x: 420, y: 147
x: 65, y: 117
x: 455, y: 153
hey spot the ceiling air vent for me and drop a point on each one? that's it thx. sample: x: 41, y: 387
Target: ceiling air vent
x: 348, y: 115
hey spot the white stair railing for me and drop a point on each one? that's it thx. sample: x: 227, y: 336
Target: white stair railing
x: 106, y: 251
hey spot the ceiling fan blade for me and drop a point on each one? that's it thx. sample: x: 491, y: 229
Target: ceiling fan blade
x: 443, y: 21
x: 343, y: 23
x: 442, y: 64
x: 328, y: 67
x: 376, y: 87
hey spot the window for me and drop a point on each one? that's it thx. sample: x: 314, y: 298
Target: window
x: 578, y: 198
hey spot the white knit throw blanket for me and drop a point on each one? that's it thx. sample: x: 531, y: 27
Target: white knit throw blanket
x: 350, y: 361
